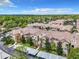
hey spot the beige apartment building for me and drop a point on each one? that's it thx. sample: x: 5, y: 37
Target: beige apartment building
x: 39, y: 33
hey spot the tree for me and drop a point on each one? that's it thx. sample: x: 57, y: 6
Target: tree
x: 74, y: 54
x: 53, y: 45
x: 59, y: 48
x: 30, y: 41
x: 7, y: 40
x: 48, y: 45
x: 23, y: 40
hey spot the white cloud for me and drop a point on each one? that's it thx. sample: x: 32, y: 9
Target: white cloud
x: 50, y: 11
x: 44, y: 11
x: 7, y: 3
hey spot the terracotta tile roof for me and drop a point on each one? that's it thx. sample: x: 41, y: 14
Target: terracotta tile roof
x: 60, y: 36
x: 67, y: 27
x: 49, y: 34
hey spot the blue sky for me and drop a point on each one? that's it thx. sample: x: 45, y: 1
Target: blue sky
x: 39, y: 6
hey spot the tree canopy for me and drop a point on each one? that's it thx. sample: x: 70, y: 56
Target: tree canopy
x: 22, y: 21
x: 74, y: 54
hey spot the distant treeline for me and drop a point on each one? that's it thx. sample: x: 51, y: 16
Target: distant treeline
x: 10, y: 21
